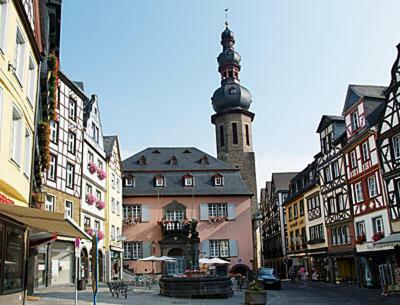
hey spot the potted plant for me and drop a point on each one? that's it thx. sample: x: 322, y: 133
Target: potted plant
x: 255, y: 294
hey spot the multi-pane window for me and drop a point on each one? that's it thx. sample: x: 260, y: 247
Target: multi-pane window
x: 98, y: 195
x: 396, y: 146
x: 19, y: 56
x: 50, y: 202
x: 218, y: 181
x: 97, y: 225
x: 313, y: 202
x: 301, y: 206
x: 316, y: 233
x: 133, y: 250
x: 217, y: 210
x: 328, y: 176
x: 113, y: 181
x: 70, y: 175
x: 68, y: 208
x: 134, y: 211
x: 118, y: 233
x: 219, y: 248
x: 53, y: 131
x: 3, y: 22
x: 336, y: 172
x: 95, y: 132
x: 112, y: 232
x: 51, y: 173
x: 86, y: 222
x: 16, y: 136
x: 129, y: 181
x: 365, y: 151
x: 359, y: 192
x: 290, y: 213
x: 89, y: 189
x: 340, y: 235
x: 31, y: 81
x: 295, y: 213
x: 340, y: 202
x: 113, y: 205
x: 372, y: 186
x: 378, y: 225
x: 159, y: 181
x: 174, y: 215
x: 331, y: 205
x: 353, y: 159
x: 360, y: 228
x: 71, y: 142
x: 118, y: 207
x: 28, y: 154
x: 14, y: 258
x: 72, y: 109
x: 90, y: 157
x: 118, y: 187
x: 354, y: 121
x: 188, y: 181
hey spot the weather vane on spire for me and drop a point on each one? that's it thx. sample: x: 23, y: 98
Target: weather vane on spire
x: 226, y: 16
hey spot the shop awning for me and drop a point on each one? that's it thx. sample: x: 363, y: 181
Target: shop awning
x: 391, y: 240
x: 44, y: 221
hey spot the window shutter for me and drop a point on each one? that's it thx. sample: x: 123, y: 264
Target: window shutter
x: 147, y: 248
x: 231, y: 211
x: 204, y: 211
x: 145, y: 213
x: 233, y: 248
x: 205, y: 248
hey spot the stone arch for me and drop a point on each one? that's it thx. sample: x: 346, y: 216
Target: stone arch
x: 243, y: 270
x: 174, y: 206
x: 84, y: 264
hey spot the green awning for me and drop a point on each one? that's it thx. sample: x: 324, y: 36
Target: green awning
x: 391, y: 240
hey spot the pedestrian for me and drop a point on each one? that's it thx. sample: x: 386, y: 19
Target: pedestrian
x: 303, y: 273
x: 292, y: 274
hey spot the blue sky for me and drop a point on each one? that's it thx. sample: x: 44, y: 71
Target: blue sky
x: 153, y: 66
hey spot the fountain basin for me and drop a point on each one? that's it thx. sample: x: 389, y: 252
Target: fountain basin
x: 196, y: 287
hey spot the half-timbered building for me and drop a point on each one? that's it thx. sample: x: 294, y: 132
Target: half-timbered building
x: 94, y: 186
x: 389, y: 153
x: 335, y: 199
x: 362, y: 109
x: 274, y: 226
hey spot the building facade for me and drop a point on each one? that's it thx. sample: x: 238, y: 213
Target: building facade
x: 362, y: 110
x: 184, y: 203
x: 94, y: 187
x: 232, y: 120
x: 274, y: 226
x: 336, y: 200
x: 113, y: 223
x: 19, y: 66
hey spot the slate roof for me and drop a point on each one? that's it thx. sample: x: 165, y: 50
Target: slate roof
x: 108, y: 142
x: 282, y: 180
x: 188, y: 162
x: 80, y: 85
x: 327, y: 120
x: 355, y: 92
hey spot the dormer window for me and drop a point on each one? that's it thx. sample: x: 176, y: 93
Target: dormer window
x: 142, y: 160
x: 218, y: 180
x: 354, y: 121
x: 159, y: 181
x: 156, y: 151
x: 130, y: 181
x: 204, y: 160
x: 173, y: 161
x: 186, y: 151
x: 188, y: 180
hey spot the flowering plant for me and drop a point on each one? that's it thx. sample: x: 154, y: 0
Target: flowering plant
x: 90, y: 199
x: 100, y: 235
x: 217, y: 218
x: 360, y: 239
x: 100, y: 204
x: 89, y: 230
x: 378, y: 236
x: 132, y: 220
x: 92, y: 167
x: 101, y: 174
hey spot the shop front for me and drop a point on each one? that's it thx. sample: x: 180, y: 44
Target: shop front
x: 320, y: 265
x: 115, y: 261
x: 342, y: 268
x: 22, y: 231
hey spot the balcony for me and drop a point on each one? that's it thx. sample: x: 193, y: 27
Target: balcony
x: 175, y: 229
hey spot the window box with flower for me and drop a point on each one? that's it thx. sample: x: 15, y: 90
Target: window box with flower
x: 132, y: 220
x: 101, y: 174
x: 217, y: 219
x: 378, y: 236
x: 100, y: 204
x: 90, y: 199
x: 361, y: 239
x: 92, y: 168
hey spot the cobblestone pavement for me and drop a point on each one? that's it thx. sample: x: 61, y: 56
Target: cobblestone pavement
x: 310, y: 294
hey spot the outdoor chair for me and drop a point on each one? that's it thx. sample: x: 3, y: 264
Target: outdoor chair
x: 113, y: 291
x: 122, y: 289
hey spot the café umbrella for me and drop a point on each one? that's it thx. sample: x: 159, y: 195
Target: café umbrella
x: 153, y: 259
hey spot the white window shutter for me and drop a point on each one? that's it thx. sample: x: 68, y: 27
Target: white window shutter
x: 147, y: 248
x: 145, y: 213
x: 204, y: 211
x: 205, y: 248
x: 231, y: 211
x: 233, y: 248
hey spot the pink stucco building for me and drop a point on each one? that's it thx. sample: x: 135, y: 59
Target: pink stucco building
x: 184, y: 203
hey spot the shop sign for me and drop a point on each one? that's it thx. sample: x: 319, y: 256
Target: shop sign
x: 4, y: 199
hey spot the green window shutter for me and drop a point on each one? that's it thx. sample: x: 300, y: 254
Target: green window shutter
x: 231, y: 211
x: 233, y: 248
x: 204, y: 211
x: 145, y: 213
x: 205, y: 248
x: 147, y: 248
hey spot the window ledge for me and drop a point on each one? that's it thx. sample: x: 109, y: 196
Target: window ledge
x: 15, y: 163
x: 18, y: 81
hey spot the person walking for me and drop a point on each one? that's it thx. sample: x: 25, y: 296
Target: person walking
x: 303, y: 274
x: 292, y: 274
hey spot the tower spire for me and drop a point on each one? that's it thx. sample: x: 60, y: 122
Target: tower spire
x: 226, y: 16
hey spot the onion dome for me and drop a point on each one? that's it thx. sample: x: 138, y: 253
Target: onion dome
x: 231, y: 94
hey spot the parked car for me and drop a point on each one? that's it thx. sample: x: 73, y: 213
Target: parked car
x: 269, y: 278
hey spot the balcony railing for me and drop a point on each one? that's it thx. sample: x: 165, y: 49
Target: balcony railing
x: 171, y: 228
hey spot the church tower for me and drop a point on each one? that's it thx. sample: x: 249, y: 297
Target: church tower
x: 232, y: 120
